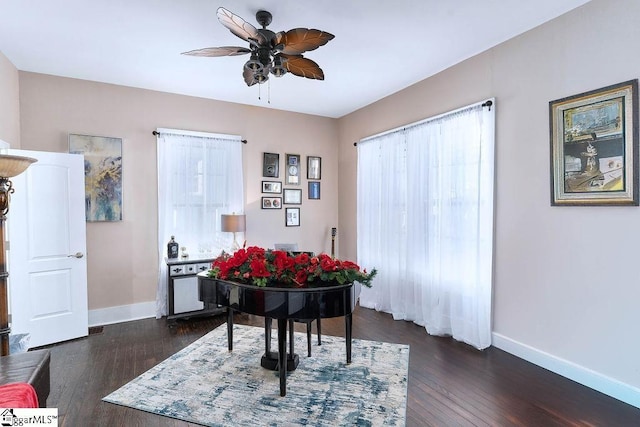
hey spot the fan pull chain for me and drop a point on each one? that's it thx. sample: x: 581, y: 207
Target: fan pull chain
x: 268, y: 91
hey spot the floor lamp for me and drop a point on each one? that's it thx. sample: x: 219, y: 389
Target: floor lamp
x: 10, y: 166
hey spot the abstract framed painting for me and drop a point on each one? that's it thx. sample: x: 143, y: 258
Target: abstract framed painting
x: 594, y: 147
x: 102, y: 175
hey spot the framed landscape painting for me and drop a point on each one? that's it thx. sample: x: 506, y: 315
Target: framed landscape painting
x: 594, y: 147
x: 102, y: 175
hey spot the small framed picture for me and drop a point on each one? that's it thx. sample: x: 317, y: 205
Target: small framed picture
x: 272, y: 203
x: 272, y: 187
x: 293, y: 169
x: 270, y: 164
x: 292, y: 196
x: 314, y: 167
x: 314, y: 190
x: 292, y: 217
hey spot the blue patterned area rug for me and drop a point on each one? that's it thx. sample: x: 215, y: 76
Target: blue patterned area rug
x: 206, y: 384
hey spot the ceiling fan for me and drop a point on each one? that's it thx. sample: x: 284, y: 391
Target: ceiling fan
x: 275, y: 53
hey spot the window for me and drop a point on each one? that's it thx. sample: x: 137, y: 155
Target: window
x: 199, y: 179
x: 425, y: 221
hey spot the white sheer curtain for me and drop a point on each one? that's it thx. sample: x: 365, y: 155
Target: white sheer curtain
x: 425, y: 221
x: 199, y: 178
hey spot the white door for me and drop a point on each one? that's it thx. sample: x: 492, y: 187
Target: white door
x: 47, y: 245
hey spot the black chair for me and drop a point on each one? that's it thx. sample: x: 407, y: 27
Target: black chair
x: 292, y: 249
x: 308, y: 321
x: 318, y: 330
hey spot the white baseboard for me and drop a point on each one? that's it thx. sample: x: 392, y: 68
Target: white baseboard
x: 122, y: 313
x: 609, y: 386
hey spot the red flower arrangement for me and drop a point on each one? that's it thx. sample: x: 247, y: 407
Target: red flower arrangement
x: 266, y: 267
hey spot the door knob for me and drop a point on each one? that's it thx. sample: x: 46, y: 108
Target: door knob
x: 76, y: 255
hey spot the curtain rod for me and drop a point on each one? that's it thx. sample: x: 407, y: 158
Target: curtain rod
x: 156, y: 133
x: 487, y: 103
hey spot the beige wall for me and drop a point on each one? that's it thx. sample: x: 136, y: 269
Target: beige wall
x: 121, y: 256
x: 567, y: 285
x: 9, y: 103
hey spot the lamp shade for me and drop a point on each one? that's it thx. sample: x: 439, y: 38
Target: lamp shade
x: 11, y: 166
x: 233, y: 223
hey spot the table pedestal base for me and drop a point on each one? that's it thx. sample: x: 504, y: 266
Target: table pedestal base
x: 281, y: 360
x: 270, y: 361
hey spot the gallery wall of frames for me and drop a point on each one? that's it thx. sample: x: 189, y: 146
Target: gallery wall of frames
x: 286, y: 191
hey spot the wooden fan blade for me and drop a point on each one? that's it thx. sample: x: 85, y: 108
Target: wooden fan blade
x: 219, y: 51
x: 303, y: 67
x: 240, y: 27
x: 248, y: 77
x: 301, y: 40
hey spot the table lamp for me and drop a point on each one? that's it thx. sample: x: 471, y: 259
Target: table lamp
x: 10, y: 166
x: 233, y: 224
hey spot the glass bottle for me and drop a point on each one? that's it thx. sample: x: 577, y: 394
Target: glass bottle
x: 172, y: 248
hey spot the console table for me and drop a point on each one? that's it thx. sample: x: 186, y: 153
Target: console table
x: 284, y: 305
x: 182, y: 289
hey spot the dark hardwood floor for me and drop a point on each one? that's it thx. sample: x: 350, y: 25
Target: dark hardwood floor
x: 450, y: 384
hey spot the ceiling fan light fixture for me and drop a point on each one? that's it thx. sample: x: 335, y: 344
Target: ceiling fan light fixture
x: 261, y: 76
x: 278, y: 69
x: 253, y: 64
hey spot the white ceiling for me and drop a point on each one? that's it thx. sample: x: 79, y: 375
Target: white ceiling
x: 380, y: 46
